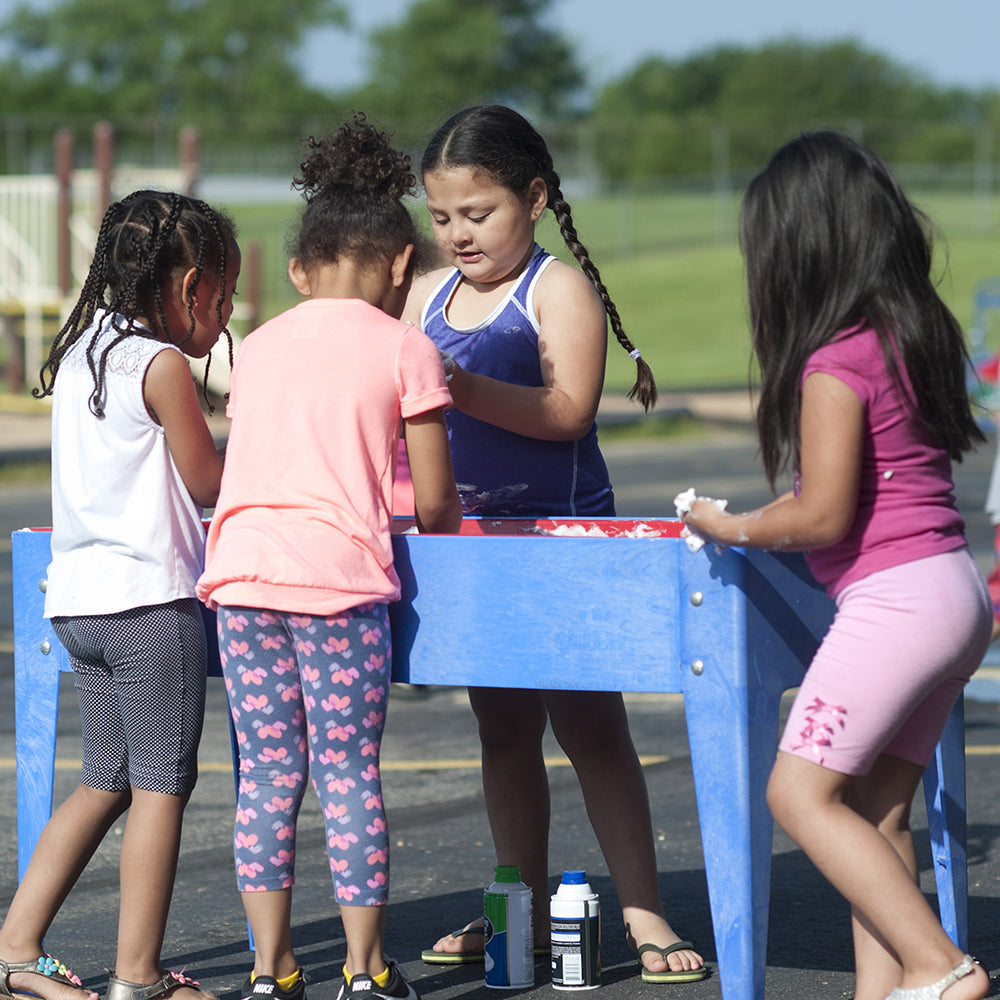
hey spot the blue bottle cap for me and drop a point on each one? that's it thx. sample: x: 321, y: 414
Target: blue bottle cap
x: 574, y: 877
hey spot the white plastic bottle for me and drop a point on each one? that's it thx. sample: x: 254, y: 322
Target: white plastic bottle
x: 510, y: 958
x: 576, y: 934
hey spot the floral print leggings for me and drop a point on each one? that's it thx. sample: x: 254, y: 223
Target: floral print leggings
x: 308, y: 696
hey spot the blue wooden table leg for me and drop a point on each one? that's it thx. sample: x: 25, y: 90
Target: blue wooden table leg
x: 730, y: 762
x: 735, y: 824
x: 751, y: 625
x: 944, y: 791
x: 39, y: 658
x: 36, y: 708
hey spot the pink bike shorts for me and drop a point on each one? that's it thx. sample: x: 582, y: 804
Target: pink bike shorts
x: 902, y: 645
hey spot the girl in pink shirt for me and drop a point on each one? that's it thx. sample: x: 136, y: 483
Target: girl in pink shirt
x: 863, y: 395
x: 299, y: 560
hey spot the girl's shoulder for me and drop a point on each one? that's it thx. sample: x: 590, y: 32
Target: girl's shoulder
x: 560, y: 280
x: 421, y: 289
x: 856, y: 358
x: 857, y: 345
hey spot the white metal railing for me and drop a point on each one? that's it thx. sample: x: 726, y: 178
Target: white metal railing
x: 29, y: 241
x: 27, y: 237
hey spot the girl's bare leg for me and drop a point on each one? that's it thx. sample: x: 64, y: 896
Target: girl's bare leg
x: 150, y: 848
x: 592, y: 728
x: 364, y: 928
x: 862, y: 863
x: 270, y: 916
x: 516, y: 788
x: 884, y: 797
x: 66, y: 845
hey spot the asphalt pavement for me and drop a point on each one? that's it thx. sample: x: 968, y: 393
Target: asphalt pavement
x: 441, y: 848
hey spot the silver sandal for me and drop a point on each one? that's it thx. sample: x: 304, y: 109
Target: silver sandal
x: 44, y: 965
x: 122, y: 989
x: 934, y: 990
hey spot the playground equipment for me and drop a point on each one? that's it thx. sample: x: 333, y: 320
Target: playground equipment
x: 620, y: 605
x: 48, y: 228
x: 984, y: 348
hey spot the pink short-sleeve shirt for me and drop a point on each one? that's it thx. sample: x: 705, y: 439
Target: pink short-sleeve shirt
x: 906, y: 503
x: 303, y: 517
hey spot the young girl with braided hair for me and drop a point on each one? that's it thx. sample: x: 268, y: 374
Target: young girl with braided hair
x: 527, y: 339
x: 299, y: 558
x: 133, y: 464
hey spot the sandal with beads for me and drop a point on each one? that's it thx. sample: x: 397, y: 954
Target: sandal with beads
x: 44, y: 965
x: 934, y: 990
x: 122, y: 989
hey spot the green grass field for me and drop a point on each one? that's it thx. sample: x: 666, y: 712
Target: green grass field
x: 673, y: 267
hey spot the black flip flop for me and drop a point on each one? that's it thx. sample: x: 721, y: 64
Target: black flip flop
x: 669, y: 976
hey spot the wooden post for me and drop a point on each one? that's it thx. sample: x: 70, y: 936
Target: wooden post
x: 251, y: 270
x: 104, y: 156
x: 13, y: 332
x: 189, y: 159
x: 64, y: 173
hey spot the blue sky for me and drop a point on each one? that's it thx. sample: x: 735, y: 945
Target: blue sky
x: 951, y: 41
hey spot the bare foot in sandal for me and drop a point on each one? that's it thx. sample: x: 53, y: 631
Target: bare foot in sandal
x: 663, y: 956
x: 44, y: 977
x: 467, y: 944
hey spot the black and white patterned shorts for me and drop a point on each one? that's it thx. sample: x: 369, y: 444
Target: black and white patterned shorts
x: 140, y: 678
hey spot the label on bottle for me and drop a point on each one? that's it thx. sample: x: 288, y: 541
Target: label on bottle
x: 508, y: 941
x: 576, y: 951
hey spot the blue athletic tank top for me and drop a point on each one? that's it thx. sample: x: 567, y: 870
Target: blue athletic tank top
x: 500, y: 474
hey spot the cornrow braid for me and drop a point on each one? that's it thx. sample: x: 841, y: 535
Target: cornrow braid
x: 506, y: 145
x: 160, y: 233
x: 220, y: 239
x: 144, y: 239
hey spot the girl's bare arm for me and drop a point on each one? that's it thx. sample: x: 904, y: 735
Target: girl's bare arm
x: 172, y: 402
x: 435, y: 499
x: 572, y: 348
x: 832, y: 429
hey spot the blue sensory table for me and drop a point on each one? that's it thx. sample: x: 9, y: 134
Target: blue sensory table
x: 610, y: 605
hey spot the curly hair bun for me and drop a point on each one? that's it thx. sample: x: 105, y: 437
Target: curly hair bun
x: 356, y: 156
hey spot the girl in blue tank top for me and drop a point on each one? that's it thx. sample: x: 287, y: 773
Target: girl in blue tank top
x: 525, y: 342
x: 540, y: 477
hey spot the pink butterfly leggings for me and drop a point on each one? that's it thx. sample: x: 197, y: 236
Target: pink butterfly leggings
x: 308, y: 695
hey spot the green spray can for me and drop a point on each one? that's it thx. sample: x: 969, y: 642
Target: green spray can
x: 510, y: 959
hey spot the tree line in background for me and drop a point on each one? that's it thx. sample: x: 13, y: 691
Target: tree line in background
x: 233, y: 69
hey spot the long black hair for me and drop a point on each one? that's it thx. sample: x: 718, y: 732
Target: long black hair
x: 506, y: 146
x: 144, y: 241
x: 831, y: 241
x: 354, y: 181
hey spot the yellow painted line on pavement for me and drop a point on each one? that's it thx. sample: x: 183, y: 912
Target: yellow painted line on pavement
x: 443, y: 764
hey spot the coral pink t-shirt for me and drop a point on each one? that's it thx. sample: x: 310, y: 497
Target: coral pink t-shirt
x: 302, y: 522
x: 906, y: 503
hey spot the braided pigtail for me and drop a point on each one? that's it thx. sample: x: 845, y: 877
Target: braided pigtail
x: 644, y: 388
